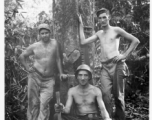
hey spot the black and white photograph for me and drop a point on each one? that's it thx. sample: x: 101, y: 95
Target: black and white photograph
x: 76, y: 59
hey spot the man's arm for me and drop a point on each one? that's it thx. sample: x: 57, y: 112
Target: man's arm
x: 133, y: 39
x: 26, y: 53
x: 69, y: 101
x: 101, y: 105
x: 84, y: 41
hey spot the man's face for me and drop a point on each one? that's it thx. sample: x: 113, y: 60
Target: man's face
x: 83, y: 77
x: 44, y: 35
x: 103, y: 19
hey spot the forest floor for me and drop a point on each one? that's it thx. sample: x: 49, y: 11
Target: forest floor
x: 137, y: 107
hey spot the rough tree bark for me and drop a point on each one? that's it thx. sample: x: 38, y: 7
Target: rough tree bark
x: 66, y: 33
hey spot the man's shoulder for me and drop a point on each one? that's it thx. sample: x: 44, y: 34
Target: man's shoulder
x: 34, y: 45
x: 96, y: 89
x: 54, y: 41
x: 72, y: 90
x: 37, y: 43
x: 99, y: 32
x: 116, y: 28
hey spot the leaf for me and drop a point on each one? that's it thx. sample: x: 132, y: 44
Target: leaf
x: 20, y: 0
x: 18, y: 3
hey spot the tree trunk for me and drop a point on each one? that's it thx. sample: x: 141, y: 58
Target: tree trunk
x: 66, y: 33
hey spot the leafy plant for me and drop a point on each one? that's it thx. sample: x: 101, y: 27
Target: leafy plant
x: 131, y: 15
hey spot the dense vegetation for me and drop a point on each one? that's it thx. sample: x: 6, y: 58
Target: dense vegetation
x: 132, y: 15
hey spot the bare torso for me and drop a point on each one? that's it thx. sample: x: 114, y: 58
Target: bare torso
x: 85, y: 99
x: 45, y: 57
x: 109, y: 41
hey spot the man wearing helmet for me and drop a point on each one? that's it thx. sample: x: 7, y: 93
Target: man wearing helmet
x: 41, y: 73
x: 88, y: 98
x: 114, y: 69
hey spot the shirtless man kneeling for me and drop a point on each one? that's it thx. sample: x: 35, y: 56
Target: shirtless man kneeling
x: 41, y: 77
x: 85, y: 96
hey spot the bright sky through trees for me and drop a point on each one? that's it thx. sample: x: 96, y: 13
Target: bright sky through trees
x: 31, y: 8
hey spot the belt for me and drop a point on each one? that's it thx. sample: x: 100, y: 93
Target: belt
x: 90, y: 116
x: 35, y: 70
x: 111, y: 60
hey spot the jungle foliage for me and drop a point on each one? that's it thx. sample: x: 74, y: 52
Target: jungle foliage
x: 131, y: 15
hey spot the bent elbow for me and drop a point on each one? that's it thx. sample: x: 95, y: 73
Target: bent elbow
x: 82, y: 43
x: 67, y: 110
x: 21, y: 57
x: 138, y: 42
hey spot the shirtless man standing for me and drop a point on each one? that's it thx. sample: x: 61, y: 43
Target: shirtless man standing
x: 114, y: 70
x: 41, y: 74
x: 85, y: 97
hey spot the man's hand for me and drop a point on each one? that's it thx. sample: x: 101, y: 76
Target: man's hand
x: 30, y: 69
x: 119, y: 57
x: 59, y: 108
x: 80, y: 19
x: 63, y: 76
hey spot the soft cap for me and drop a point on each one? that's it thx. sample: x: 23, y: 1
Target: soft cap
x: 44, y: 26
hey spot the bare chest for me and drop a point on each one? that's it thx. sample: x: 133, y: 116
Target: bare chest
x: 85, y: 98
x: 42, y: 52
x: 108, y: 38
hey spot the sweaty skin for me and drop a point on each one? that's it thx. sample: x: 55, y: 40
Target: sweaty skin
x: 109, y: 43
x: 41, y: 77
x: 109, y: 38
x: 85, y: 95
x: 46, y: 55
x: 85, y: 99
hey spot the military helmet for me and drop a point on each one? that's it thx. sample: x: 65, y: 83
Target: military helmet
x: 44, y: 26
x: 84, y: 67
